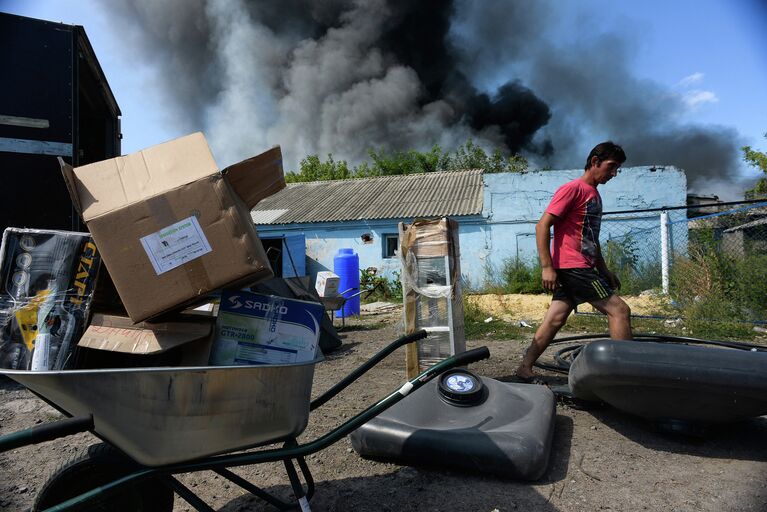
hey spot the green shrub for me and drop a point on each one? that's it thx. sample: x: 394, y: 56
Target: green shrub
x: 710, y: 285
x: 388, y: 290
x: 752, y: 284
x: 521, y: 277
x: 622, y: 258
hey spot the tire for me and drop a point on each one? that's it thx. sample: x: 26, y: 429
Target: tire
x: 103, y: 464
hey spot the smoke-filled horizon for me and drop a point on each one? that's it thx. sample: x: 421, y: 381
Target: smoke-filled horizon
x: 346, y: 76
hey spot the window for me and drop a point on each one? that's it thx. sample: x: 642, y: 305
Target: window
x: 390, y: 245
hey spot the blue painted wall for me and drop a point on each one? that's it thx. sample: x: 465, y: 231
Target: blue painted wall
x: 323, y: 240
x: 513, y: 203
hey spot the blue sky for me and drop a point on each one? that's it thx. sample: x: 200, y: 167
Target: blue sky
x: 713, y: 51
x: 710, y: 52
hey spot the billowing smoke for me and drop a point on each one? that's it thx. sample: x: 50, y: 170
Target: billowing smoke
x: 592, y: 93
x: 345, y: 76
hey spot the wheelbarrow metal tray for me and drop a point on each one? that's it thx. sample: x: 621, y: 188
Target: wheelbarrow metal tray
x: 162, y: 416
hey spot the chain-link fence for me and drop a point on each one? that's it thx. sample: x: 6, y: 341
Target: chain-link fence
x: 708, y: 262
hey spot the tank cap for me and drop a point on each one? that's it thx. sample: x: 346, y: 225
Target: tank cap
x: 461, y: 388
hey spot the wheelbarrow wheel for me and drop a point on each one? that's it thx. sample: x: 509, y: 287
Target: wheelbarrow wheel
x: 100, y: 465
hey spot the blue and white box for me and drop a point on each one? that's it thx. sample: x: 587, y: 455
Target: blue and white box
x: 265, y: 329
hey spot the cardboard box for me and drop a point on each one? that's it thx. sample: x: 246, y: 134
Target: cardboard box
x: 265, y: 329
x: 327, y: 283
x: 120, y: 334
x: 113, y: 341
x: 170, y: 227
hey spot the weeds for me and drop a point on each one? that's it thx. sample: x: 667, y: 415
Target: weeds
x: 384, y: 289
x: 709, y: 285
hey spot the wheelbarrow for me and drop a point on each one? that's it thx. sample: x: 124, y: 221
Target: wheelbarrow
x: 159, y: 422
x: 337, y: 302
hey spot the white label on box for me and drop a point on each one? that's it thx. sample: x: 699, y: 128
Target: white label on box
x: 175, y: 245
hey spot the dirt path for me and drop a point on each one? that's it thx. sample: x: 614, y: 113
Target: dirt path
x: 601, y: 459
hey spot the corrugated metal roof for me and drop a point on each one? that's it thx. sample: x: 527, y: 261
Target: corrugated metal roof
x: 390, y: 197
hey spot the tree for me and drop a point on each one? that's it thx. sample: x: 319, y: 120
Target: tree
x: 401, y: 162
x: 314, y: 169
x: 398, y: 162
x: 758, y: 160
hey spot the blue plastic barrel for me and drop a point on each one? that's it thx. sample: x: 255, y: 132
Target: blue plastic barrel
x: 346, y: 264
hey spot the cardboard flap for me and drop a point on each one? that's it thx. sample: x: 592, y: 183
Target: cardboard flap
x: 105, y: 186
x: 257, y: 177
x: 119, y: 334
x: 69, y: 178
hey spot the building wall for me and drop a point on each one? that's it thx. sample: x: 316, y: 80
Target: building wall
x: 323, y: 240
x: 513, y: 203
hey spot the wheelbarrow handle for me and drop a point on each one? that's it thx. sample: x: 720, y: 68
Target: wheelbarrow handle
x: 295, y: 451
x: 465, y: 358
x: 367, y: 365
x: 331, y: 437
x: 46, y: 432
x: 350, y: 425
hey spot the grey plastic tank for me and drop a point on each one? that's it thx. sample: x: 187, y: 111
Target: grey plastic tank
x: 673, y: 382
x: 462, y: 421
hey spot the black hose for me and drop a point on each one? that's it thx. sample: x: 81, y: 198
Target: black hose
x: 564, y: 357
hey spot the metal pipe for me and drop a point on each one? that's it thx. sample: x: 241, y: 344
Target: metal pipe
x: 664, y: 250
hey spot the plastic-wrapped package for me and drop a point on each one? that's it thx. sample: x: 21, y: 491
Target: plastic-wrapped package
x: 46, y: 285
x: 430, y: 258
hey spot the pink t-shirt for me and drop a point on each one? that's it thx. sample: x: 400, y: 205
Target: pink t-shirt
x: 578, y: 208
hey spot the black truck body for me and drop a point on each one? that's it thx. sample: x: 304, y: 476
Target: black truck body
x: 54, y: 101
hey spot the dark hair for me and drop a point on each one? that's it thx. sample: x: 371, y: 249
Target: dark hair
x: 605, y: 151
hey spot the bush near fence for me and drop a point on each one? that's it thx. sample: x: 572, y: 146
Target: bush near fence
x: 713, y: 266
x: 715, y: 263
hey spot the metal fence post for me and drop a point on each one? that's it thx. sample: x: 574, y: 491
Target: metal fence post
x: 664, y: 249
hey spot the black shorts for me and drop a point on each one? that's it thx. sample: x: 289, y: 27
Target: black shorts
x: 579, y: 285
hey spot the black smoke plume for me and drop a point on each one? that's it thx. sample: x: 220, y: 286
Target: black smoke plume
x: 344, y: 76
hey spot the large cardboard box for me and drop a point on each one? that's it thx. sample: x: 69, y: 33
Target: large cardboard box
x: 170, y: 227
x: 265, y: 329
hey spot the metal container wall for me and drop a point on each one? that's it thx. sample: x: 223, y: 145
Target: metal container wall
x: 55, y: 102
x: 162, y: 416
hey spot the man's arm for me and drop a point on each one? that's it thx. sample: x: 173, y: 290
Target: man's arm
x: 543, y: 241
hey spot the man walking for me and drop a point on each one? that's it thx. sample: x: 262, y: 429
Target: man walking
x: 574, y: 268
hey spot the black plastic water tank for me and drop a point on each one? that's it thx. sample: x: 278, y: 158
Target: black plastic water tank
x: 466, y: 422
x: 672, y: 382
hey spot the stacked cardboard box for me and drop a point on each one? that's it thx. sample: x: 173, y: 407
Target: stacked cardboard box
x: 171, y: 229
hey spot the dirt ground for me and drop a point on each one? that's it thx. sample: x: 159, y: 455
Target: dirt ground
x: 601, y: 459
x: 531, y: 308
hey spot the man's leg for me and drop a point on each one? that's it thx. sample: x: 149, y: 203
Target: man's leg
x: 553, y: 321
x: 618, y: 316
